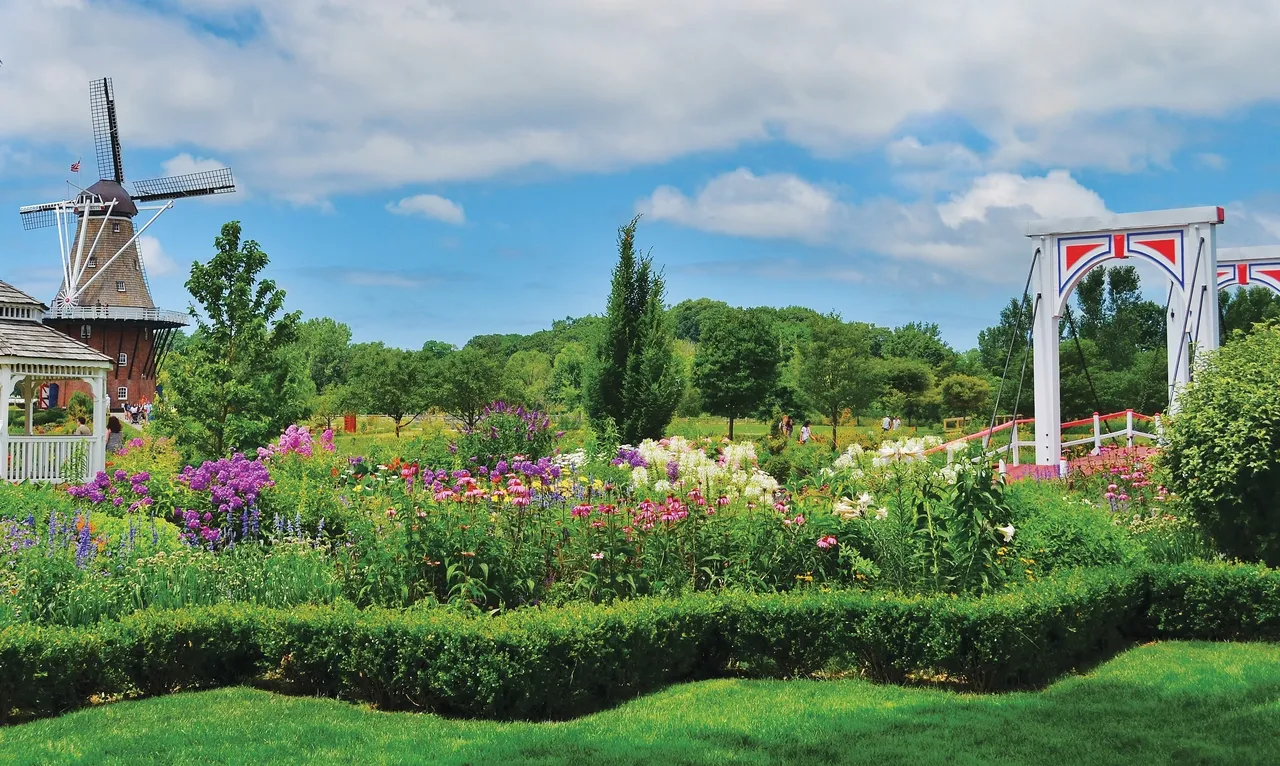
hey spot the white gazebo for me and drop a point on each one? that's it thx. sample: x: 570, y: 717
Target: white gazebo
x: 30, y: 354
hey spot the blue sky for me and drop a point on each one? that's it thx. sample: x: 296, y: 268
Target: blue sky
x: 444, y: 169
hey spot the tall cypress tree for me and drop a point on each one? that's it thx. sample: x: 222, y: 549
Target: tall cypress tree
x: 634, y: 379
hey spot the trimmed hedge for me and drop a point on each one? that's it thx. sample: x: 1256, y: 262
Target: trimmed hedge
x: 556, y: 663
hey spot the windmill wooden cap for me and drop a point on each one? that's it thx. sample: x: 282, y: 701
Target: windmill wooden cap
x: 109, y: 190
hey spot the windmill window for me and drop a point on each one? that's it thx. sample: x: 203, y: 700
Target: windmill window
x: 122, y: 393
x: 85, y: 330
x: 137, y: 265
x: 123, y: 359
x: 115, y: 228
x: 93, y: 261
x: 119, y: 285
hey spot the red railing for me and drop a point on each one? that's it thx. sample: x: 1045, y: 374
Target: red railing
x: 1096, y: 420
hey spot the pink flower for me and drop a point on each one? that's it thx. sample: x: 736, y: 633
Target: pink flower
x: 826, y: 541
x: 581, y: 511
x: 391, y: 513
x: 597, y: 556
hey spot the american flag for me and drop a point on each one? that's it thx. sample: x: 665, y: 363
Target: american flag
x: 75, y: 166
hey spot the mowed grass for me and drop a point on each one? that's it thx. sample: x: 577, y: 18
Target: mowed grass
x: 1165, y: 703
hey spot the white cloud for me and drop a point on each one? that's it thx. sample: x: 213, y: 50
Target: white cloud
x: 977, y: 232
x: 775, y: 205
x: 185, y: 163
x: 156, y: 260
x: 429, y: 206
x: 1057, y: 195
x: 1212, y: 160
x: 329, y: 99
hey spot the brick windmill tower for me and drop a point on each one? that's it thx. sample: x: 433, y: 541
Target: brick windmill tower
x: 105, y: 298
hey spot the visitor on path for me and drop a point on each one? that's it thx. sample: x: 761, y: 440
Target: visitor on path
x: 115, y: 435
x: 146, y: 409
x: 886, y: 424
x: 897, y: 423
x: 788, y: 426
x: 82, y: 429
x: 805, y: 434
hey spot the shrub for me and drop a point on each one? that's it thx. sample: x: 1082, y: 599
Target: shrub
x: 1223, y: 453
x: 557, y: 663
x: 1057, y: 531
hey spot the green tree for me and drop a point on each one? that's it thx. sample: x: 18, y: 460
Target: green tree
x: 688, y: 317
x: 736, y: 364
x: 234, y: 387
x: 921, y: 341
x: 1242, y: 309
x: 469, y: 380
x: 326, y: 347
x: 634, y: 378
x: 910, y: 380
x: 391, y: 382
x: 965, y: 395
x: 837, y: 370
x: 566, y: 375
x: 527, y: 378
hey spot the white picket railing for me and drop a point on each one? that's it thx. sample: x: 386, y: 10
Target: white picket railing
x: 44, y: 458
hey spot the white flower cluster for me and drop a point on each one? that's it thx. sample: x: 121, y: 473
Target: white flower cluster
x: 904, y: 450
x: 571, y: 460
x: 734, y: 474
x: 848, y: 462
x: 848, y: 510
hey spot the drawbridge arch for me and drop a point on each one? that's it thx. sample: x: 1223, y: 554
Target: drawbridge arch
x: 1181, y: 243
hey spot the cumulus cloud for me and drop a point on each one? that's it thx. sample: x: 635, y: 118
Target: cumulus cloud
x: 429, y: 206
x: 775, y: 205
x: 977, y: 232
x: 1056, y: 195
x: 156, y: 260
x: 185, y: 163
x: 319, y: 102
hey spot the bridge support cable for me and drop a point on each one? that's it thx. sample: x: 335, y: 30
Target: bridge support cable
x: 1022, y: 376
x: 1075, y: 335
x: 1013, y: 340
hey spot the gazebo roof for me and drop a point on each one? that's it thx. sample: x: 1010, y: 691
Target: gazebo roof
x: 23, y: 335
x: 31, y: 340
x: 12, y: 295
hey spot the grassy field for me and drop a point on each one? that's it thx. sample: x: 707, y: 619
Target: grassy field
x: 1165, y: 703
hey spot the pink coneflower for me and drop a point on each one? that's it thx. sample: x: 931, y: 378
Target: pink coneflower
x: 826, y: 541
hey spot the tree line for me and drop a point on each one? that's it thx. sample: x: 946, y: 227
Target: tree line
x: 250, y: 368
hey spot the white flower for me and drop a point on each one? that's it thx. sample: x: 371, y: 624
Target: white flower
x: 1007, y: 530
x: 846, y: 510
x: 882, y: 514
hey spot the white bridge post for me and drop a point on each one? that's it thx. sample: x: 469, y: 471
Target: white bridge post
x: 1048, y: 392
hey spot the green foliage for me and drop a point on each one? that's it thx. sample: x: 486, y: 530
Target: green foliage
x: 965, y: 395
x: 736, y: 365
x: 469, y: 380
x: 558, y: 663
x: 390, y: 381
x: 527, y: 378
x: 567, y: 375
x: 1242, y: 309
x: 1056, y: 531
x: 633, y: 378
x: 836, y: 369
x: 919, y: 341
x: 234, y: 386
x: 1223, y: 452
x: 908, y: 381
x: 326, y: 350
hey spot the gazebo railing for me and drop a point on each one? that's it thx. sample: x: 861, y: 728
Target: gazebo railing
x: 46, y: 458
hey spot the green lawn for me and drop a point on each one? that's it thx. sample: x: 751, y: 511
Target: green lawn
x: 1165, y: 703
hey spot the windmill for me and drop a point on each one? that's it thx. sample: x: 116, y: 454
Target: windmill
x: 105, y: 298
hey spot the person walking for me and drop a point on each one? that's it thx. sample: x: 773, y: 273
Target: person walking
x: 897, y: 423
x: 886, y: 424
x: 788, y: 426
x: 805, y: 433
x: 115, y: 435
x: 83, y: 429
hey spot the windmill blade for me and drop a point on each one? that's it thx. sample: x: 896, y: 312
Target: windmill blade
x: 39, y: 216
x: 200, y: 184
x: 106, y: 131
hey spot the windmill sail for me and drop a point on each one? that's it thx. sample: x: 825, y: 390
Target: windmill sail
x: 39, y: 216
x: 206, y: 182
x: 106, y: 131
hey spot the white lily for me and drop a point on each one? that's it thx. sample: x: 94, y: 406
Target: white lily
x: 1007, y: 530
